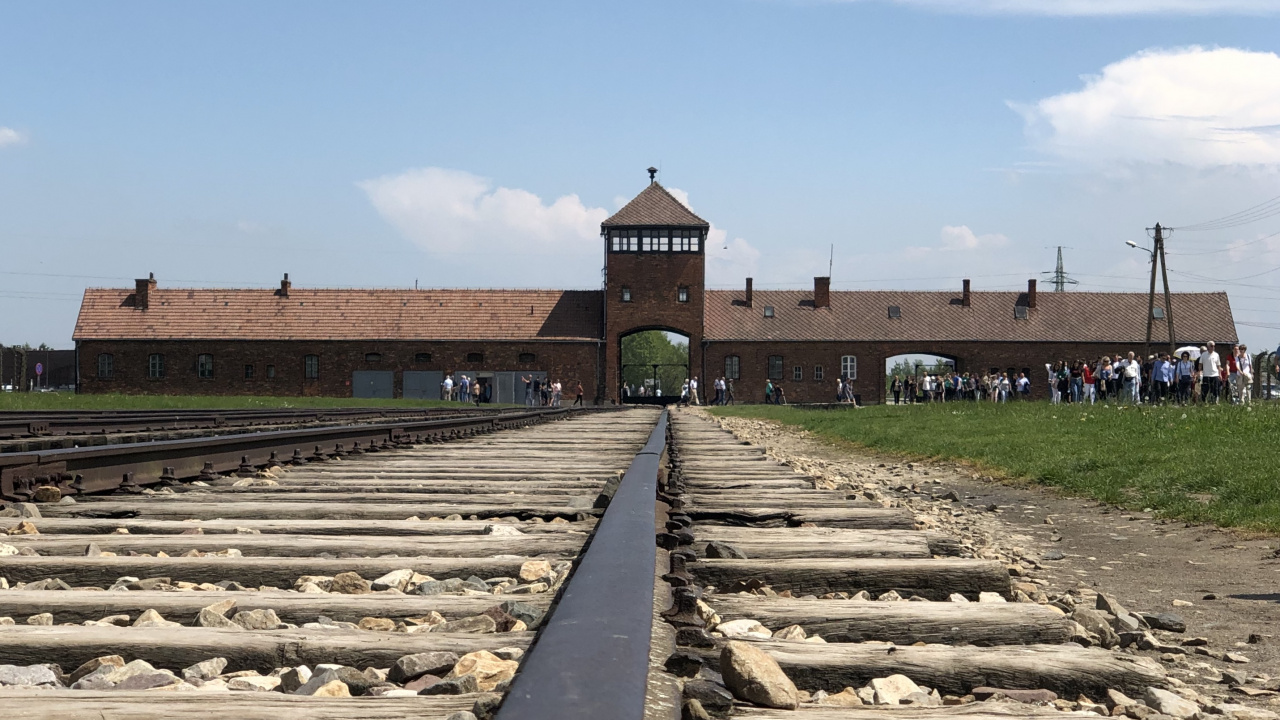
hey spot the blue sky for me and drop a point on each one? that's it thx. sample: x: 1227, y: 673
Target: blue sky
x: 479, y: 144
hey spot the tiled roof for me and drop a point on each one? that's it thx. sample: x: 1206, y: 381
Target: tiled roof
x: 109, y: 314
x: 939, y: 316
x: 654, y: 206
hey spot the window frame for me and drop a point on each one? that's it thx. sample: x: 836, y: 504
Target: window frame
x: 769, y: 312
x: 626, y: 294
x: 155, y: 366
x: 732, y: 367
x: 271, y: 372
x: 373, y: 357
x: 682, y: 294
x: 797, y: 373
x: 422, y: 357
x: 775, y: 367
x: 818, y: 372
x: 527, y: 358
x: 249, y: 371
x: 204, y: 366
x: 475, y: 357
x: 106, y: 366
x: 847, y: 363
x: 311, y: 367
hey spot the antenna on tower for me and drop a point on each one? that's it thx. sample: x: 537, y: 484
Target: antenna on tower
x: 1059, y: 276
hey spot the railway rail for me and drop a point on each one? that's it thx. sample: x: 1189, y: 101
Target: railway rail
x: 22, y: 430
x: 630, y: 564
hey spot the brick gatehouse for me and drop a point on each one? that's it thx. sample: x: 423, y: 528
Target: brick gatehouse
x: 401, y: 343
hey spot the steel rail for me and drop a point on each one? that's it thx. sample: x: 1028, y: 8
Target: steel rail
x: 591, y: 659
x: 108, y: 467
x: 18, y: 424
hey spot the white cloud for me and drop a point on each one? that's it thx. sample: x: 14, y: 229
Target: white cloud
x: 452, y: 212
x: 1097, y: 7
x: 9, y: 136
x: 728, y: 261
x: 959, y: 238
x: 1192, y: 106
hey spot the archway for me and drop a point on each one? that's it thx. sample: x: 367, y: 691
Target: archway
x: 654, y: 365
x: 915, y: 373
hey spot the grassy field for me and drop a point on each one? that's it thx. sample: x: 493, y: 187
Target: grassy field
x: 1217, y: 464
x: 71, y: 401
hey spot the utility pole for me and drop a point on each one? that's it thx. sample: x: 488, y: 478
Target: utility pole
x: 1158, y: 256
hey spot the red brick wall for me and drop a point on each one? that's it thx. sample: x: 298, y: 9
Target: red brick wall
x: 654, y: 280
x: 870, y: 384
x: 569, y: 362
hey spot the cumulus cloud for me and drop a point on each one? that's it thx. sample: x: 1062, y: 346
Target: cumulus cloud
x: 9, y: 136
x: 1097, y: 7
x: 959, y: 238
x: 1192, y: 106
x: 452, y: 211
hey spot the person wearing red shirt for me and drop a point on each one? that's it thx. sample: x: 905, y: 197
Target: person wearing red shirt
x: 1090, y: 391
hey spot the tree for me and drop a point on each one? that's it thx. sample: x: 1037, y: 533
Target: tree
x: 642, y: 350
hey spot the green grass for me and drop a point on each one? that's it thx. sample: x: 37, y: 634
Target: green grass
x: 1218, y: 464
x: 72, y: 401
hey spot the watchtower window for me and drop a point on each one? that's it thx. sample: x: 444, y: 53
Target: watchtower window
x: 626, y: 294
x: 682, y: 295
x: 685, y: 240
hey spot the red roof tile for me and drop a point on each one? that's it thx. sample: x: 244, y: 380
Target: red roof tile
x: 939, y: 316
x: 654, y: 206
x: 240, y: 314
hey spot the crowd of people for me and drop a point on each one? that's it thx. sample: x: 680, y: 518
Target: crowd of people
x: 1196, y: 375
x: 537, y: 391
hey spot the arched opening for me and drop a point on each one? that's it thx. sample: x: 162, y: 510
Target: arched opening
x: 919, y: 377
x: 655, y: 366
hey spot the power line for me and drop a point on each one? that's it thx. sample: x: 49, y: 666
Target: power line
x: 1244, y: 217
x: 1229, y: 248
x: 1059, y: 276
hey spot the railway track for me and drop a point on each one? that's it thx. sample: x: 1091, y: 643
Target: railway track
x: 764, y: 596
x: 25, y: 431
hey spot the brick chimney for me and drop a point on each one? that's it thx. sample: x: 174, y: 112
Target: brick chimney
x: 142, y: 288
x: 822, y: 292
x: 965, y: 299
x: 748, y: 292
x: 284, y: 287
x: 1031, y: 293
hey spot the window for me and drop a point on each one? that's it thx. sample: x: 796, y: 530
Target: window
x: 271, y: 371
x: 768, y: 311
x: 311, y: 367
x: 1157, y: 313
x: 775, y: 367
x: 422, y: 358
x: 204, y: 366
x: 155, y: 366
x: 682, y: 295
x: 732, y: 366
x: 797, y: 373
x: 615, y: 241
x: 1020, y: 312
x: 626, y: 294
x: 373, y: 357
x: 528, y: 357
x: 248, y: 372
x: 817, y: 372
x: 475, y: 357
x: 849, y: 367
x: 685, y: 240
x: 106, y: 366
x: 895, y: 311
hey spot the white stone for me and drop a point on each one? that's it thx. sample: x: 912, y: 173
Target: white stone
x: 891, y: 690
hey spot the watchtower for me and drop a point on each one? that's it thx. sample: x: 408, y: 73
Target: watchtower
x: 655, y: 265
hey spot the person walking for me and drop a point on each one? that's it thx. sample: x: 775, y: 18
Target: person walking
x: 693, y: 391
x: 895, y: 387
x: 728, y: 390
x: 1244, y: 365
x: 1210, y: 368
x: 768, y: 392
x: 579, y: 392
x: 1186, y: 372
x: 475, y: 392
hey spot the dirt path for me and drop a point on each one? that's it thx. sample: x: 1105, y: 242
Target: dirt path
x: 1225, y: 587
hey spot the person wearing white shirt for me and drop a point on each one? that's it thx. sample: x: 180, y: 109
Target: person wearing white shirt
x: 1210, y: 368
x: 1244, y: 374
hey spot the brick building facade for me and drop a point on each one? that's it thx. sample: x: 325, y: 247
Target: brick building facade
x: 401, y: 343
